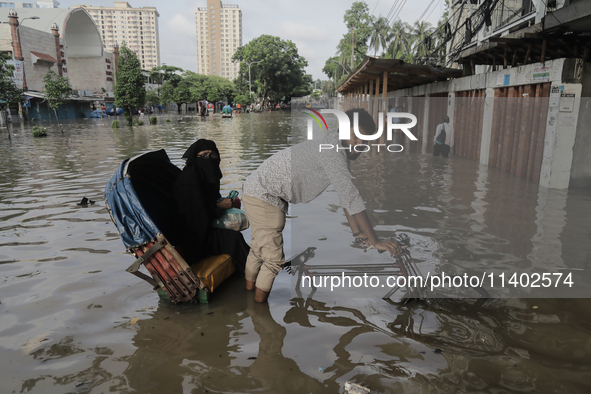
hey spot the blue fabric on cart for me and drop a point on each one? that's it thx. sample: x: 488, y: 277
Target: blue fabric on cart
x: 135, y: 222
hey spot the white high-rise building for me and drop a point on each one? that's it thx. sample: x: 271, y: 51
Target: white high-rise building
x: 138, y: 27
x: 219, y: 34
x: 31, y: 4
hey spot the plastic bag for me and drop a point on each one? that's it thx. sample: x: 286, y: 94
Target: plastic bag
x: 232, y: 219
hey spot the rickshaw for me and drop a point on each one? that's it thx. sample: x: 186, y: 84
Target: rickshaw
x: 139, y: 199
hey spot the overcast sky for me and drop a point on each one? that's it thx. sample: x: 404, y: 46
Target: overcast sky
x: 315, y: 26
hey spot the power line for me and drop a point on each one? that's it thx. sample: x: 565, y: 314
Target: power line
x: 374, y: 8
x: 433, y: 9
x: 426, y: 9
x: 390, y: 13
x: 403, y: 3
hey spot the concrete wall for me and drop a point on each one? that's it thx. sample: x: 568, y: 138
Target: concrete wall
x: 581, y: 168
x: 564, y: 162
x: 5, y: 38
x: 85, y: 73
x: 38, y: 41
x: 88, y: 73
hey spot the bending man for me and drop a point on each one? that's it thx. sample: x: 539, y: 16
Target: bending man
x: 295, y: 175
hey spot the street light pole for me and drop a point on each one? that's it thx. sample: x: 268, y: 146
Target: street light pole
x: 13, y: 17
x: 335, y: 74
x: 249, y: 85
x: 18, y: 34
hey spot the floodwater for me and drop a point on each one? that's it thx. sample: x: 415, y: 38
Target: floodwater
x: 72, y: 320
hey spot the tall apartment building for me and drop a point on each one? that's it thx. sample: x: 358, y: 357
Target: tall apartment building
x: 219, y: 34
x: 37, y: 4
x: 138, y: 27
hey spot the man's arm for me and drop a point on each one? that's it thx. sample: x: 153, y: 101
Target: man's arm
x: 360, y: 222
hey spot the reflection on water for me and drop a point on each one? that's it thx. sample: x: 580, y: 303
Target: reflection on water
x: 69, y: 310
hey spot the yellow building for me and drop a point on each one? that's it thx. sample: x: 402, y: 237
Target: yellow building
x: 138, y: 27
x: 219, y: 34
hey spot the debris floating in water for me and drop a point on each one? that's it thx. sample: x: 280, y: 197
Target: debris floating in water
x: 354, y: 388
x: 85, y: 201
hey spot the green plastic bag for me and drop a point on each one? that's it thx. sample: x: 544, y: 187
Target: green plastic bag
x: 232, y: 219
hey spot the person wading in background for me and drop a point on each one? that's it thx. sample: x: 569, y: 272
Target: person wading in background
x: 444, y: 138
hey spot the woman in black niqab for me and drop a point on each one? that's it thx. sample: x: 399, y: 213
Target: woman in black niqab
x: 196, y: 192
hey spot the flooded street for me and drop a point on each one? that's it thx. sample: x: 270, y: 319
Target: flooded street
x: 72, y: 320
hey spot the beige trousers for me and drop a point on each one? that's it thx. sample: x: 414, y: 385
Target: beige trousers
x: 266, y: 257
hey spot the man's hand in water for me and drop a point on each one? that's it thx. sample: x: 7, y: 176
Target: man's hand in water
x: 361, y: 239
x: 388, y: 244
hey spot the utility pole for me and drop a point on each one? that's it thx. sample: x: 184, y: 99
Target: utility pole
x: 353, y: 47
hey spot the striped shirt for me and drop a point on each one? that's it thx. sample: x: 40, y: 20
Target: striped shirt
x: 301, y: 173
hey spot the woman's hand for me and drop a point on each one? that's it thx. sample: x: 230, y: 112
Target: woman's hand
x: 226, y: 203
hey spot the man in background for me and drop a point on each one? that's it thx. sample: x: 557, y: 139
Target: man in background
x: 444, y: 138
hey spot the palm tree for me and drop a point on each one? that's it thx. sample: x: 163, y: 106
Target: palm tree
x: 420, y: 31
x: 379, y: 32
x: 439, y: 40
x: 398, y: 40
x: 344, y: 52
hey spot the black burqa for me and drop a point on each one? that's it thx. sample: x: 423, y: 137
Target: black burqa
x: 196, y: 191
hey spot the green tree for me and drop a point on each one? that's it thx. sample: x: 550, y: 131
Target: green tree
x: 165, y: 73
x: 304, y: 89
x: 152, y: 98
x: 399, y: 41
x: 57, y: 92
x: 439, y: 39
x: 334, y: 69
x: 280, y: 73
x: 358, y: 21
x: 420, y: 31
x: 243, y: 99
x: 178, y: 91
x: 379, y: 33
x: 218, y: 88
x: 129, y: 87
x: 9, y: 92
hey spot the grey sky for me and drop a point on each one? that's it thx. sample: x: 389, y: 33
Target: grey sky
x: 314, y: 26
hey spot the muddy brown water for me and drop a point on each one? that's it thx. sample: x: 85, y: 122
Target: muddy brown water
x: 72, y: 320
